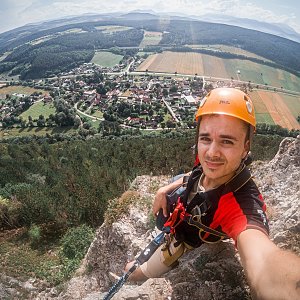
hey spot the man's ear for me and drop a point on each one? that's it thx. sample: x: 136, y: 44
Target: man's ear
x: 246, y: 148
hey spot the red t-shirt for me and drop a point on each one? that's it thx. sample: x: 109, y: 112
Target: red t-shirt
x: 229, y: 213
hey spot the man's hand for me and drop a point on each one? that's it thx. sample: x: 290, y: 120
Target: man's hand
x: 137, y: 275
x: 160, y: 200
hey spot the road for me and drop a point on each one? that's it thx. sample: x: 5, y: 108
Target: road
x: 85, y: 114
x: 170, y: 110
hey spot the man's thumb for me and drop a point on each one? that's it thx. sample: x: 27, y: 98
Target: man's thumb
x: 165, y: 212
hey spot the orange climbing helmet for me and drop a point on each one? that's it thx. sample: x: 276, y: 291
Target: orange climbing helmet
x: 230, y: 102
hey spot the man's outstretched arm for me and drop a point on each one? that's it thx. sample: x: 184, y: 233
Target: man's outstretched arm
x: 272, y: 273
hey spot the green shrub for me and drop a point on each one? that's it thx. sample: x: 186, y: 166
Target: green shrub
x: 74, y: 245
x: 34, y: 234
x: 119, y: 206
x: 76, y: 241
x: 9, y: 212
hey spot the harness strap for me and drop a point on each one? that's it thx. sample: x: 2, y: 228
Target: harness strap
x: 171, y: 258
x: 238, y: 180
x: 192, y: 220
x: 176, y: 217
x: 179, y: 215
x: 201, y: 199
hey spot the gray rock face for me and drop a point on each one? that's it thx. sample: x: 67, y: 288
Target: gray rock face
x: 279, y: 182
x: 210, y: 272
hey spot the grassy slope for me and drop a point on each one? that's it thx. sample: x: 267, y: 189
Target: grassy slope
x: 37, y: 109
x: 257, y: 73
x: 21, y: 90
x: 106, y: 59
x: 151, y: 38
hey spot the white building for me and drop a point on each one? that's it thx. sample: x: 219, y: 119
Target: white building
x: 190, y: 100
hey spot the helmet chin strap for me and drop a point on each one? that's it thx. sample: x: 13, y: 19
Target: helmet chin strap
x: 247, y: 160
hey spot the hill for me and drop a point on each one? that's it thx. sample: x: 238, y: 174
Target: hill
x: 35, y: 52
x: 278, y: 29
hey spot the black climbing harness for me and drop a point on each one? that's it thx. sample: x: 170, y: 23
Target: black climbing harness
x: 191, y: 213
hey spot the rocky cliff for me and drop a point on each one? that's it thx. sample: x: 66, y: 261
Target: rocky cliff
x: 209, y: 272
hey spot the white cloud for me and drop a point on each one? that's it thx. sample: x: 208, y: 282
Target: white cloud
x: 16, y: 13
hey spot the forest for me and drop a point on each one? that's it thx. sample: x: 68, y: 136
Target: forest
x: 70, y: 181
x: 68, y: 50
x: 64, y: 52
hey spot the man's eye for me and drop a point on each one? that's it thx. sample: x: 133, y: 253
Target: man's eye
x: 204, y: 139
x: 227, y: 142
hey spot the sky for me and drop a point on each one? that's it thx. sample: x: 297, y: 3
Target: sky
x: 16, y: 13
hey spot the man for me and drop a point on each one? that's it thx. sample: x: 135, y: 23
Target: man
x: 225, y: 202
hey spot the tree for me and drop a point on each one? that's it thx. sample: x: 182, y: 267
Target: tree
x: 151, y: 112
x: 41, y: 121
x: 173, y: 89
x: 77, y: 121
x: 22, y: 122
x: 170, y: 124
x: 60, y: 118
x: 86, y: 125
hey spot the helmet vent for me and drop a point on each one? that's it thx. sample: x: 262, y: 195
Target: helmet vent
x: 249, y: 107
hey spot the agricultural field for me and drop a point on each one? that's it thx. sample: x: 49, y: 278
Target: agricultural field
x: 262, y: 74
x: 212, y: 66
x: 171, y: 62
x: 151, y: 38
x: 276, y: 108
x: 20, y: 90
x: 106, y: 59
x: 38, y: 108
x: 225, y: 48
x: 261, y: 111
x: 4, y: 55
x: 108, y: 29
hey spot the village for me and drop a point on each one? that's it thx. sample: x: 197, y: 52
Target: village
x: 141, y: 100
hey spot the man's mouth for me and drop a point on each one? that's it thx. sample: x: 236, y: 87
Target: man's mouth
x: 213, y: 164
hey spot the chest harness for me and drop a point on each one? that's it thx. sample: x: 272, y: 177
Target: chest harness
x: 191, y: 212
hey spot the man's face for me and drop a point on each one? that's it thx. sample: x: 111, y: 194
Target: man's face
x: 221, y: 147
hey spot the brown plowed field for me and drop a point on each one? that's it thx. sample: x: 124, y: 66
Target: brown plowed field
x: 146, y: 64
x: 171, y: 62
x: 278, y: 110
x: 259, y: 105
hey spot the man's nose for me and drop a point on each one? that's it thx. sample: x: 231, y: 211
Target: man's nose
x: 213, y: 150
